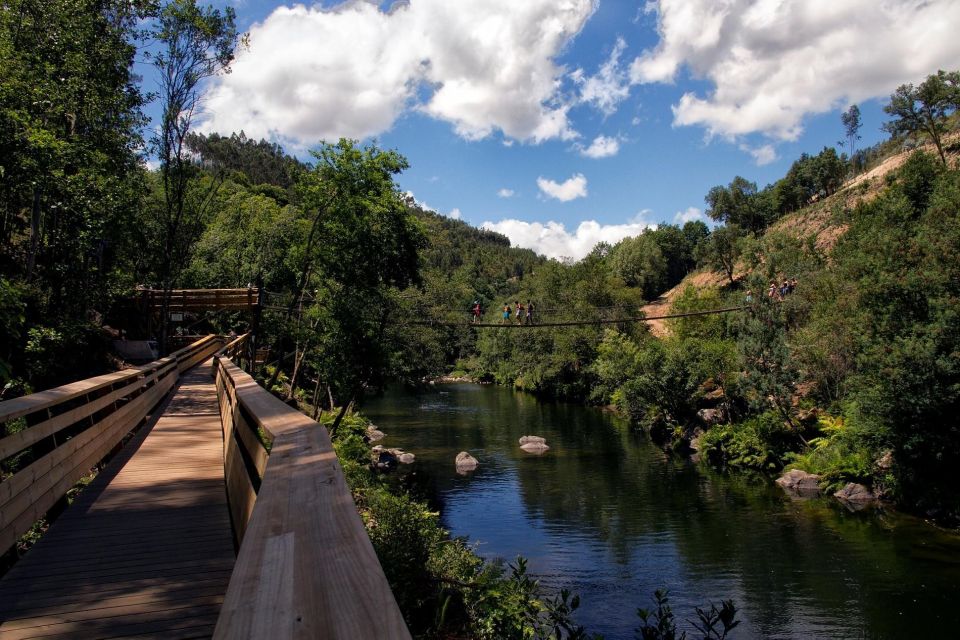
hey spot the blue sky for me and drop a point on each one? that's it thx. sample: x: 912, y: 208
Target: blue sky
x: 563, y: 122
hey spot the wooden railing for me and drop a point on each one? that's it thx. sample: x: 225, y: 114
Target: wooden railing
x: 202, y: 299
x: 70, y: 429
x: 305, y: 567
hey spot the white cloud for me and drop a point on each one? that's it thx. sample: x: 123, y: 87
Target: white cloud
x: 554, y: 241
x: 762, y: 155
x: 455, y: 214
x: 313, y: 73
x: 692, y: 214
x: 505, y: 193
x: 570, y: 189
x: 609, y: 87
x: 772, y: 62
x: 601, y: 147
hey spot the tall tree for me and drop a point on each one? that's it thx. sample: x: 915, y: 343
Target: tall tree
x: 925, y: 108
x: 851, y: 127
x: 194, y: 43
x: 363, y: 247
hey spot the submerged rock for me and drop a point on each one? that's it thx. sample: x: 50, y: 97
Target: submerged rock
x: 800, y: 483
x: 374, y: 434
x: 406, y: 458
x: 855, y: 495
x: 466, y: 462
x: 535, y: 447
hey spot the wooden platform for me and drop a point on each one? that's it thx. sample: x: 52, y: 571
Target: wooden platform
x: 146, y: 551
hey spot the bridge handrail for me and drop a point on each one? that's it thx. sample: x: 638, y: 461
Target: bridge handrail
x: 90, y: 417
x: 305, y: 567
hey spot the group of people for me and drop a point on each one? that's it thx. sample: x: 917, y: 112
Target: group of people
x: 523, y: 313
x: 777, y: 291
x: 783, y: 290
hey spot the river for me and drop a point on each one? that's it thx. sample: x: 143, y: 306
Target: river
x: 609, y: 516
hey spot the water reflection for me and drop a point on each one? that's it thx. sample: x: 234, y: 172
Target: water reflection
x: 605, y: 513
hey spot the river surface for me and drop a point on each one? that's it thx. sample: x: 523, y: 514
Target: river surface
x: 607, y: 515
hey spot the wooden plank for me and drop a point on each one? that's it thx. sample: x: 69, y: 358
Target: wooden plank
x: 18, y: 407
x: 17, y: 442
x: 303, y: 573
x: 241, y: 495
x: 127, y: 559
x: 251, y: 444
x: 45, y: 490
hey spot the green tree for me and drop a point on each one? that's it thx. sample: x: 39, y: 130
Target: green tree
x: 925, y: 108
x: 362, y: 248
x: 851, y: 127
x: 194, y: 44
x: 722, y: 250
x: 740, y: 204
x: 640, y: 262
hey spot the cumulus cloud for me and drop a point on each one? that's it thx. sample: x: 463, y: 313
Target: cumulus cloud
x: 570, y: 189
x: 313, y: 73
x: 554, y: 241
x: 455, y: 213
x: 505, y: 193
x: 601, y: 147
x: 691, y: 214
x: 772, y: 62
x: 762, y: 155
x: 609, y: 87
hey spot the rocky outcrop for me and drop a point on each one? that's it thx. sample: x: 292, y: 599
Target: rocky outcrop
x: 855, y: 495
x: 800, y: 483
x: 374, y: 434
x: 385, y: 459
x: 466, y: 462
x: 711, y: 417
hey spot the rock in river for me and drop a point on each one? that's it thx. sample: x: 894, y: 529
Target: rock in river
x: 855, y: 495
x: 799, y: 482
x: 466, y: 462
x: 532, y: 439
x: 535, y: 447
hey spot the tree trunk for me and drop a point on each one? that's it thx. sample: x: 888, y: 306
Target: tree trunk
x: 34, y: 234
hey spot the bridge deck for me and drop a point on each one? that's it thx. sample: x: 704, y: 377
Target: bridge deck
x: 146, y: 550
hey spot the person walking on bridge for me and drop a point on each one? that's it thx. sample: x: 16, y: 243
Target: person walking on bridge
x: 519, y: 312
x: 529, y: 318
x: 506, y: 313
x: 477, y: 311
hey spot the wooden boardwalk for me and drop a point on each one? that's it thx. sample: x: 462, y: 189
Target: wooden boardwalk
x: 146, y: 550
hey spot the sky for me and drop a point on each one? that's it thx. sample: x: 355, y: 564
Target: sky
x: 562, y: 123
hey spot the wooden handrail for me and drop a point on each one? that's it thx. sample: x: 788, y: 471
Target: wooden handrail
x: 77, y: 425
x: 199, y: 299
x: 305, y: 567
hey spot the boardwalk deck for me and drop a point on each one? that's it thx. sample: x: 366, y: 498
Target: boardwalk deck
x: 146, y: 550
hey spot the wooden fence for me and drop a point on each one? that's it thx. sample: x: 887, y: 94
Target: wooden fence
x: 201, y: 299
x: 305, y: 567
x: 66, y: 431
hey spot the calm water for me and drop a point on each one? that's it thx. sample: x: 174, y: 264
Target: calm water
x: 607, y: 515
